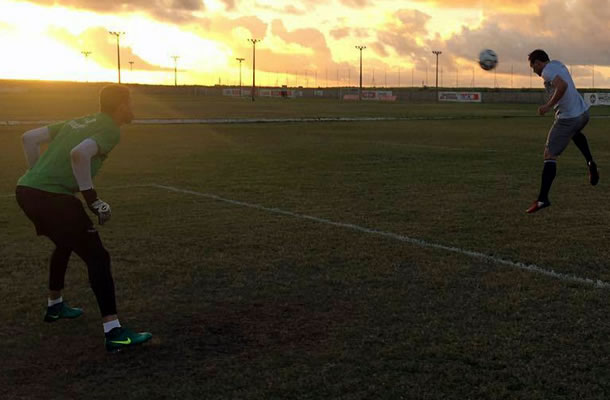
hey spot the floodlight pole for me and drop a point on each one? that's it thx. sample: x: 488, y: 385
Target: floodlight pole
x: 253, y: 41
x: 437, y: 53
x: 175, y: 69
x: 360, y: 90
x: 118, y: 53
x: 240, y: 59
x: 86, y: 53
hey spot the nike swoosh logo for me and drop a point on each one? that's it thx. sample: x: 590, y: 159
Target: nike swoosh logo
x: 128, y: 341
x: 53, y: 316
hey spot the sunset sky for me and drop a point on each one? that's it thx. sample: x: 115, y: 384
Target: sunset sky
x: 303, y: 42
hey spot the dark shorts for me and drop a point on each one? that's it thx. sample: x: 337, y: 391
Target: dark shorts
x: 563, y: 130
x: 58, y: 216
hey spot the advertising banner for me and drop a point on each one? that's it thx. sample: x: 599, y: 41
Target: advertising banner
x: 597, y: 99
x: 460, y: 97
x: 245, y: 91
x: 262, y: 92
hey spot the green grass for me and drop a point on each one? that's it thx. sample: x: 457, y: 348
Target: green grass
x: 249, y: 304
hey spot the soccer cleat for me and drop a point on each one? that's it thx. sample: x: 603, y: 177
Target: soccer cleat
x: 120, y: 338
x: 593, y: 173
x: 62, y: 310
x: 537, y: 206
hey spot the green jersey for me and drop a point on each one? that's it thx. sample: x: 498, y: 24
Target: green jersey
x: 53, y: 170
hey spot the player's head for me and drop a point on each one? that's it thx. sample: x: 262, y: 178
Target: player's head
x: 538, y: 59
x: 115, y: 101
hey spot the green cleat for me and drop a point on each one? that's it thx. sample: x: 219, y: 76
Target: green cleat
x: 120, y: 338
x: 62, y: 310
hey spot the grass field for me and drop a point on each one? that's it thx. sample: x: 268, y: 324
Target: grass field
x: 294, y: 281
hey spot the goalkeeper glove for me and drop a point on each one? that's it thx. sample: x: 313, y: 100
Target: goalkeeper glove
x: 97, y: 206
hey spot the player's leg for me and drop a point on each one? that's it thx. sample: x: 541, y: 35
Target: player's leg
x: 580, y: 140
x: 89, y: 247
x: 57, y: 308
x: 549, y: 171
x: 559, y: 137
x: 557, y: 140
x: 45, y: 211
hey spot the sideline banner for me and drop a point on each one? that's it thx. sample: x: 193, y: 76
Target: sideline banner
x: 375, y: 94
x: 597, y: 99
x: 262, y: 92
x: 461, y: 97
x: 245, y: 91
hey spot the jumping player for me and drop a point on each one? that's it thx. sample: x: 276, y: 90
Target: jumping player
x: 571, y: 116
x: 46, y: 193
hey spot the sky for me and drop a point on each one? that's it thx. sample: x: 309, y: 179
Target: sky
x: 306, y: 43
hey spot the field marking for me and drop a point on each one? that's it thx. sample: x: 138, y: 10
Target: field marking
x: 418, y: 242
x: 403, y: 238
x: 217, y: 121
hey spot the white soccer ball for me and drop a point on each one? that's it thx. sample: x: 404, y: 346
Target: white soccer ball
x: 488, y: 59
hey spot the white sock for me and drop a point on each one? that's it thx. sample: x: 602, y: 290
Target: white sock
x: 56, y: 301
x: 110, y: 325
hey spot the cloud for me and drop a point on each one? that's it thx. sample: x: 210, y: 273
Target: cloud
x: 230, y: 4
x: 569, y: 31
x: 401, y: 34
x: 102, y: 47
x: 308, y: 37
x: 176, y: 11
x: 288, y: 9
x: 356, y: 3
x: 484, y: 4
x: 339, y: 33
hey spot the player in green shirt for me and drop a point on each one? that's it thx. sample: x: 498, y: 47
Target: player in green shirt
x: 46, y: 193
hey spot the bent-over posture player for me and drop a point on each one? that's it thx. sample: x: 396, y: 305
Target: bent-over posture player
x: 46, y: 193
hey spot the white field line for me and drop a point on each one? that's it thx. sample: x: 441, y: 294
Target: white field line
x: 418, y: 242
x: 215, y: 121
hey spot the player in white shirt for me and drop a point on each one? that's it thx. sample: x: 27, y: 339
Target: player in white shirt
x: 571, y: 116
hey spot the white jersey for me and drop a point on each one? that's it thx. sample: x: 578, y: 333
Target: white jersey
x: 571, y: 105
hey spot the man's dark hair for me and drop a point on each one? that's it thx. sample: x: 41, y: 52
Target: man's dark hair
x: 112, y: 96
x: 538, y: 55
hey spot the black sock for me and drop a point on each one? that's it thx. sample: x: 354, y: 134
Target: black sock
x: 548, y: 174
x: 580, y: 141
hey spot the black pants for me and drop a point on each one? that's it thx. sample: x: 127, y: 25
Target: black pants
x: 63, y: 219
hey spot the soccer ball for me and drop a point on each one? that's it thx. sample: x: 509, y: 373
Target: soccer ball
x: 488, y: 59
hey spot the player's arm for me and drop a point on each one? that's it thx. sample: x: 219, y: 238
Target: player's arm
x: 31, y: 141
x: 560, y: 89
x: 80, y: 157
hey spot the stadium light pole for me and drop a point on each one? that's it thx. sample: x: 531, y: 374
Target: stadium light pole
x: 360, y: 90
x: 175, y: 69
x: 118, y: 52
x: 253, y: 41
x: 437, y: 53
x: 240, y: 59
x: 131, y: 71
x: 86, y: 53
